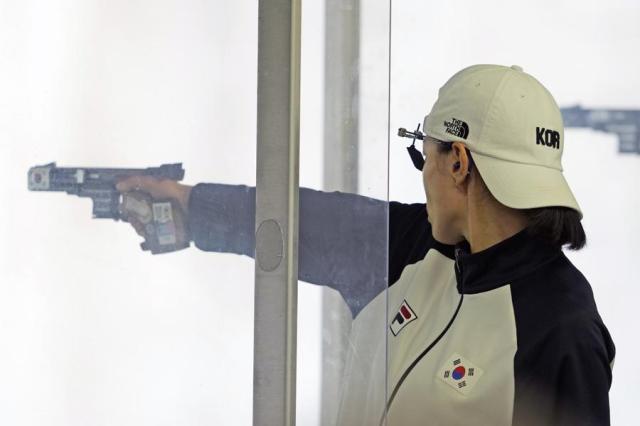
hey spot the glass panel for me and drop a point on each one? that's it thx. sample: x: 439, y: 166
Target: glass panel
x: 342, y: 324
x: 94, y: 329
x: 575, y: 49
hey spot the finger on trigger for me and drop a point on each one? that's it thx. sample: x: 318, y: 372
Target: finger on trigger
x: 134, y: 183
x: 126, y: 184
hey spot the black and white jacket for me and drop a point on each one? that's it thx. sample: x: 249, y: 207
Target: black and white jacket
x: 507, y: 336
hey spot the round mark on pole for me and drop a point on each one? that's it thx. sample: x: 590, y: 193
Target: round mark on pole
x: 269, y: 245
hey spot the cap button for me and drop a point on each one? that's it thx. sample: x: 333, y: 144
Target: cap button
x: 516, y: 67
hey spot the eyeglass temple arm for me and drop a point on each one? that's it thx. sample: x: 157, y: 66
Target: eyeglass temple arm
x: 416, y: 156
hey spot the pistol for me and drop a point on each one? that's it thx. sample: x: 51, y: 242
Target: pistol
x: 164, y: 221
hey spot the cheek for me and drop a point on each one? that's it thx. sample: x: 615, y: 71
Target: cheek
x: 429, y: 181
x: 436, y: 194
x: 424, y: 179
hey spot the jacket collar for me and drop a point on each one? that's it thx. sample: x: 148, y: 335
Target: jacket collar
x: 501, y: 263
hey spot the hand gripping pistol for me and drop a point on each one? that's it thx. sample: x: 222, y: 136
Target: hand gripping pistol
x: 164, y: 221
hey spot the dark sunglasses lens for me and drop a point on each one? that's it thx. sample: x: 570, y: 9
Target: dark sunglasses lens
x: 416, y: 157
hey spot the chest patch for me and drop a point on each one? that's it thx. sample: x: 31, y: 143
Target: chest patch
x: 460, y: 373
x: 403, y: 317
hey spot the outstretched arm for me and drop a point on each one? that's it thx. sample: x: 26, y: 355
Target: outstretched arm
x: 342, y: 237
x: 348, y: 242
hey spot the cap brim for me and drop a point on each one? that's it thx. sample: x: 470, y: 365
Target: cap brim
x: 525, y: 186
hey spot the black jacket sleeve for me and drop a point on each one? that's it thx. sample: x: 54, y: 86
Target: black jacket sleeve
x: 348, y: 242
x: 342, y: 236
x: 222, y: 218
x: 568, y: 377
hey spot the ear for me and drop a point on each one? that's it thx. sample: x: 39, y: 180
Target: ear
x: 460, y: 163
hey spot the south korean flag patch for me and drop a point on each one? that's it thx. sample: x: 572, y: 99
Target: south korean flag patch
x: 460, y: 373
x: 403, y: 317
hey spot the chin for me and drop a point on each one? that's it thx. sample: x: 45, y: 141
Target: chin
x: 443, y: 236
x: 438, y: 236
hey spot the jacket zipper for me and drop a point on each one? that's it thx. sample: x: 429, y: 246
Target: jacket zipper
x: 457, y: 255
x: 417, y: 360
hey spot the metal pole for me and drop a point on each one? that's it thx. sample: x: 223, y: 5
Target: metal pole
x: 276, y: 276
x: 342, y: 81
x: 341, y: 120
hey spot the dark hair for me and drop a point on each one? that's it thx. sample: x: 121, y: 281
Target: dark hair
x: 558, y: 226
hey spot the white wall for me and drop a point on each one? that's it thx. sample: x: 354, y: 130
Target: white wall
x: 93, y: 330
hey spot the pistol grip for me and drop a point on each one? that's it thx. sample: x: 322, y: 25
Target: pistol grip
x: 165, y: 227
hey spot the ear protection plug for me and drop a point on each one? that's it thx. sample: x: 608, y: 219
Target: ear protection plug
x: 456, y: 166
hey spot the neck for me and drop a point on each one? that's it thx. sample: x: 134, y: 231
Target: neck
x: 490, y: 222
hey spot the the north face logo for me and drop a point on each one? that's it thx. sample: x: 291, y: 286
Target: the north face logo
x: 457, y: 128
x: 547, y: 137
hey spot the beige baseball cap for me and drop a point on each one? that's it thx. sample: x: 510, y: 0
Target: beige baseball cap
x: 514, y: 129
